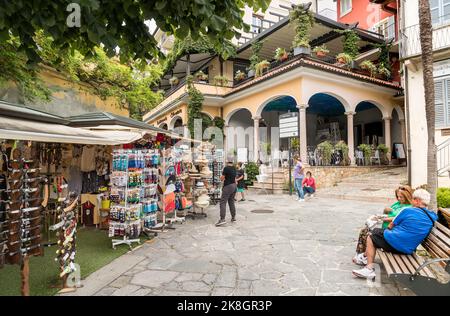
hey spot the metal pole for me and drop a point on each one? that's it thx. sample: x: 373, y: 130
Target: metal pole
x: 290, y: 166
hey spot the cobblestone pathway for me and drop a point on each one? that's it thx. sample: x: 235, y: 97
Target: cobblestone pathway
x: 299, y: 249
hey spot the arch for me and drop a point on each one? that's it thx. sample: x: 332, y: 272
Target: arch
x: 380, y: 107
x: 274, y: 98
x: 342, y: 100
x: 207, y: 114
x: 174, y: 120
x: 230, y: 115
x: 398, y: 109
x: 163, y: 126
x: 325, y: 104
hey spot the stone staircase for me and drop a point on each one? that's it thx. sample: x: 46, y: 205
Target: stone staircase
x: 377, y: 186
x: 276, y: 179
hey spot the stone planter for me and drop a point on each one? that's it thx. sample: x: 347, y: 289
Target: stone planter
x: 302, y: 51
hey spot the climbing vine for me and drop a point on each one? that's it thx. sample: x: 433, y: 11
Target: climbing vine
x: 303, y: 21
x: 350, y: 42
x: 195, y: 105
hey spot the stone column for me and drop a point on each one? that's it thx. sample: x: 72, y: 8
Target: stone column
x: 225, y: 141
x: 186, y: 132
x: 403, y: 131
x: 256, y: 120
x: 302, y: 137
x: 387, y: 134
x: 350, y: 137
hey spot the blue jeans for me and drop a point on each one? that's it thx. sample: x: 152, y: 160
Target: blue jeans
x: 309, y: 190
x: 298, y: 186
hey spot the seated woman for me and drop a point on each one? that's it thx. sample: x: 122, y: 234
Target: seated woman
x: 309, y: 184
x: 404, y: 200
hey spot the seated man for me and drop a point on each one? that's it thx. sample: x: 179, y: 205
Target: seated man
x: 407, y: 231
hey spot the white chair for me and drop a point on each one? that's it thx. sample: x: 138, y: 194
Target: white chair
x: 359, y: 157
x: 376, y: 157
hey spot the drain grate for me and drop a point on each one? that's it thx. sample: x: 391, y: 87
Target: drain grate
x: 261, y: 211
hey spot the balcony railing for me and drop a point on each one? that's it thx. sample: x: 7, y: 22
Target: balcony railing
x: 410, y: 37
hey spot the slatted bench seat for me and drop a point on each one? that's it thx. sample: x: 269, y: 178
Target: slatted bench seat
x: 446, y: 214
x: 414, y: 272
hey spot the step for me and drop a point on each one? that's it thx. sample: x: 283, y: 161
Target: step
x: 268, y: 186
x: 354, y: 197
x: 253, y: 190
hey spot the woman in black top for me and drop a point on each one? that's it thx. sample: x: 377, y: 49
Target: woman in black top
x: 240, y: 175
x: 228, y: 193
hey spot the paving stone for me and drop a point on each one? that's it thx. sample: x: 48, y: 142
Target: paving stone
x: 107, y: 291
x: 209, y: 278
x: 196, y: 265
x: 222, y: 291
x: 195, y: 286
x: 121, y: 281
x: 268, y: 288
x: 162, y: 264
x: 127, y: 290
x: 226, y: 279
x: 153, y: 278
x: 189, y: 277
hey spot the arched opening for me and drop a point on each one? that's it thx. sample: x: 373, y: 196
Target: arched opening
x: 368, y: 124
x: 326, y: 120
x: 164, y: 126
x: 240, y: 131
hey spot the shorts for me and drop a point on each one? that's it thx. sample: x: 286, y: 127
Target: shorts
x: 240, y: 190
x: 377, y: 236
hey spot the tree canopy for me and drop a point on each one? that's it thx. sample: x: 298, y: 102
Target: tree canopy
x: 120, y: 23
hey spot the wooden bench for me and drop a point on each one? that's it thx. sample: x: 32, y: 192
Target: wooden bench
x: 414, y: 272
x: 446, y: 214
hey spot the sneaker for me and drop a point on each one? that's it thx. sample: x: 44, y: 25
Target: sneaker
x: 365, y: 273
x: 233, y: 219
x: 221, y: 222
x: 311, y: 195
x: 301, y: 200
x: 360, y: 259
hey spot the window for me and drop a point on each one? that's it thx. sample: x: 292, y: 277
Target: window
x: 257, y: 24
x: 440, y: 11
x: 442, y: 102
x: 346, y: 7
x: 386, y: 28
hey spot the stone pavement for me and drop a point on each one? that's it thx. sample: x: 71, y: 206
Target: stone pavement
x: 299, y: 249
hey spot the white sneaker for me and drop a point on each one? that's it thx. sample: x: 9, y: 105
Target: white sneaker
x: 360, y: 259
x: 301, y: 200
x: 297, y: 198
x: 312, y: 195
x: 365, y: 273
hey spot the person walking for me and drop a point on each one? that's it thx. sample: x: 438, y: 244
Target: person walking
x: 240, y: 181
x: 299, y: 175
x: 228, y: 192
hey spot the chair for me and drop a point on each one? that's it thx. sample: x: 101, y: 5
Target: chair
x: 376, y: 157
x: 359, y: 157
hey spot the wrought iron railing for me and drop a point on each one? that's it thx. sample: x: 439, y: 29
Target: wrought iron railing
x: 410, y: 37
x: 443, y: 157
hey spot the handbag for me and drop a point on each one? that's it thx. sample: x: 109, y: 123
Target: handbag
x: 169, y: 202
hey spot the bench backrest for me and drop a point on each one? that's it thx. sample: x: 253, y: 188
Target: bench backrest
x: 446, y: 214
x: 437, y: 243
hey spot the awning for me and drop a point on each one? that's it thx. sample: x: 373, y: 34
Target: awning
x: 18, y: 129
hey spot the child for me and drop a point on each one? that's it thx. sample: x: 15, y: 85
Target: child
x: 309, y: 184
x: 240, y: 175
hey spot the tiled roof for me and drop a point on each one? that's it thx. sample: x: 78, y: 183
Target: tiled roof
x: 305, y: 62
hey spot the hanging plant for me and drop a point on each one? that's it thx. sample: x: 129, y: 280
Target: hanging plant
x: 369, y: 66
x: 260, y: 67
x: 383, y: 58
x: 254, y: 58
x: 201, y: 76
x: 350, y: 42
x: 239, y: 76
x: 281, y: 54
x: 303, y: 21
x: 321, y: 51
x: 195, y: 105
x: 344, y: 59
x: 326, y: 149
x: 220, y: 81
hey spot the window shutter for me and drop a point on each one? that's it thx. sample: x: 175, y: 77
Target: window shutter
x: 391, y: 28
x: 447, y: 101
x: 439, y: 101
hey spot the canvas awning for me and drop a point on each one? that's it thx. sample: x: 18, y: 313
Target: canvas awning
x: 18, y: 129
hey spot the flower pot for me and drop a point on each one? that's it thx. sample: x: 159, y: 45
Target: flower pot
x: 251, y: 73
x: 202, y: 81
x: 321, y: 54
x: 302, y: 51
x: 341, y: 61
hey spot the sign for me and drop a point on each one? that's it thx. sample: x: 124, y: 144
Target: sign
x: 289, y: 125
x: 176, y: 112
x: 161, y: 121
x: 242, y: 154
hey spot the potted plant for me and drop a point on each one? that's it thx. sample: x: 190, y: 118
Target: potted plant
x: 321, y: 51
x: 254, y: 58
x: 343, y: 147
x: 303, y: 21
x: 344, y: 59
x: 326, y: 150
x: 384, y: 150
x: 367, y: 151
x: 281, y: 54
x: 369, y: 66
x: 384, y: 72
x: 174, y: 81
x: 201, y: 77
x: 260, y: 67
x: 220, y: 81
x: 350, y: 44
x: 239, y: 76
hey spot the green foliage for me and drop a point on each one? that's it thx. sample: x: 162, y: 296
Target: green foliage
x: 260, y: 67
x: 443, y: 197
x: 281, y: 54
x: 254, y: 58
x: 323, y: 49
x: 295, y: 143
x: 383, y: 71
x: 383, y: 58
x: 252, y: 170
x: 121, y: 23
x: 346, y: 58
x: 201, y: 76
x: 239, y: 76
x: 343, y: 147
x: 383, y: 148
x: 219, y: 122
x: 266, y: 148
x: 367, y: 150
x: 350, y: 42
x: 369, y: 66
x: 195, y: 105
x: 326, y: 149
x: 174, y: 81
x: 220, y: 81
x: 303, y: 21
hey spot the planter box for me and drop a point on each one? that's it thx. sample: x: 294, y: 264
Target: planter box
x: 302, y: 51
